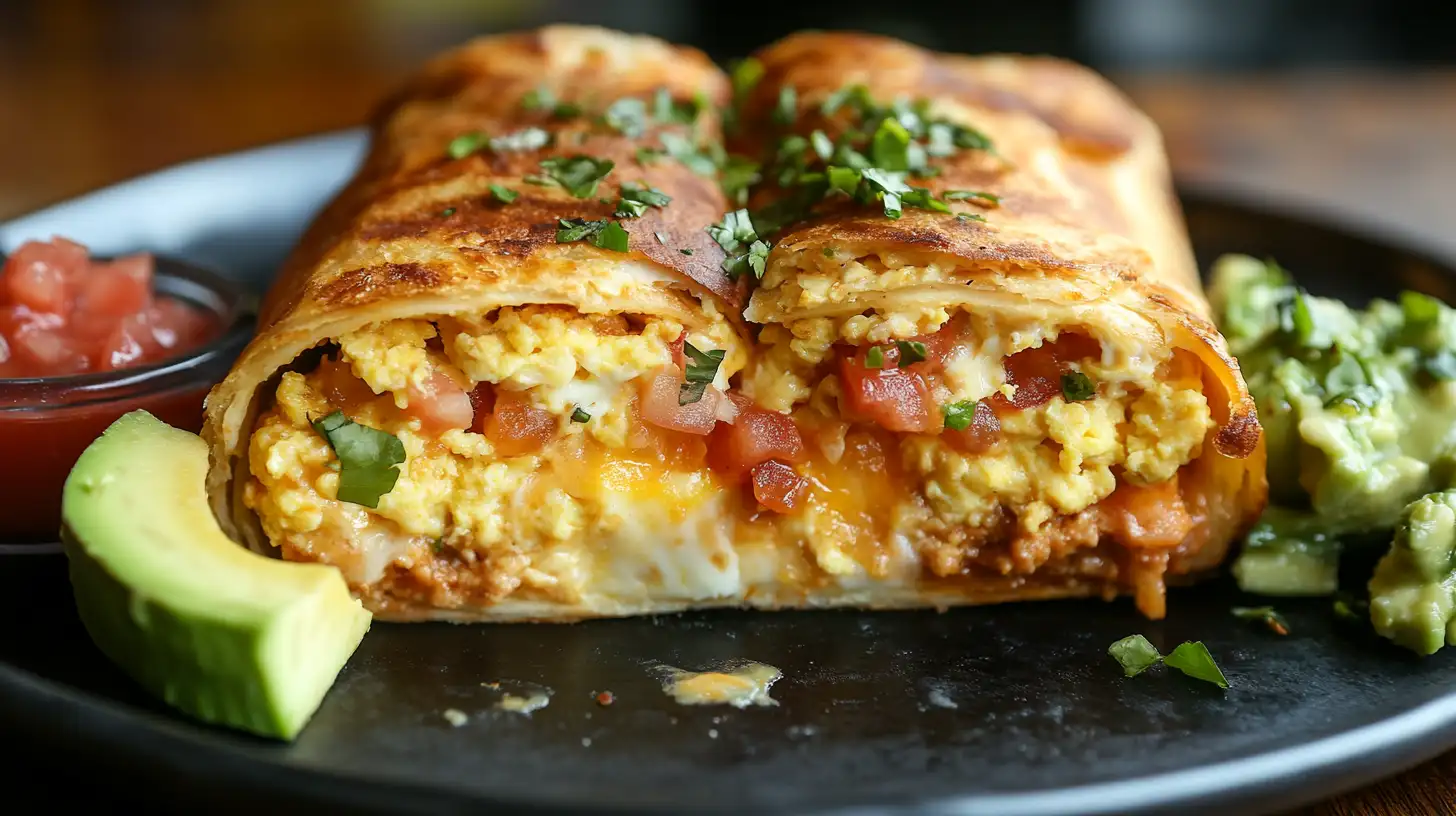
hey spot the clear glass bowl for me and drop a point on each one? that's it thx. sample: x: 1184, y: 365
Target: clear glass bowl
x: 46, y: 422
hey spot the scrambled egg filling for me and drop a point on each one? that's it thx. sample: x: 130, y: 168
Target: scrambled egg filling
x: 1148, y: 419
x: 453, y: 488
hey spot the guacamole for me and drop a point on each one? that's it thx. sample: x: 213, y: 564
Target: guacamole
x: 1359, y: 416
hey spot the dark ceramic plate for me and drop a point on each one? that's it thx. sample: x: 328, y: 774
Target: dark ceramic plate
x: 997, y: 710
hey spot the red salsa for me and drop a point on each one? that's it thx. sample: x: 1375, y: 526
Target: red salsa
x: 61, y: 312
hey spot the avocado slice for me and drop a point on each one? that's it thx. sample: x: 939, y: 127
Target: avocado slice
x: 224, y: 634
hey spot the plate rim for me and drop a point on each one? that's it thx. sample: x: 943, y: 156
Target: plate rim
x: 1280, y: 778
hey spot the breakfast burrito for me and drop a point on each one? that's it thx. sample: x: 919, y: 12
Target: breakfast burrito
x: 506, y: 374
x: 981, y: 310
x: 480, y: 384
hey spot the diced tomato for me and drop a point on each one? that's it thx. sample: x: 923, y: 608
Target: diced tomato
x: 341, y: 388
x: 754, y: 438
x: 983, y: 432
x: 120, y: 349
x: 516, y: 427
x: 36, y: 274
x: 1037, y: 372
x: 50, y: 351
x: 118, y: 288
x: 896, y: 398
x: 676, y: 346
x: 939, y: 346
x: 1147, y: 516
x: 482, y: 402
x: 671, y: 449
x: 440, y: 405
x: 62, y: 313
x: 777, y: 486
x: 176, y: 324
x: 660, y: 404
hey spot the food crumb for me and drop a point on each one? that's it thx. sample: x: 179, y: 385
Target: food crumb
x: 606, y: 698
x: 455, y: 717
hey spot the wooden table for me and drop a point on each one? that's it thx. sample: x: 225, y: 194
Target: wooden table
x: 78, y: 116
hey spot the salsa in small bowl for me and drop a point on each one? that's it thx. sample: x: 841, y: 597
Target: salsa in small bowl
x: 84, y: 340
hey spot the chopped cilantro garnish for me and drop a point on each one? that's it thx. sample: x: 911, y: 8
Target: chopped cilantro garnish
x: 627, y: 116
x: 578, y: 415
x: 1077, y: 387
x: 579, y: 175
x: 566, y: 110
x: 745, y: 74
x: 667, y: 110
x: 911, y: 351
x: 605, y: 234
x: 1296, y: 322
x: 647, y: 155
x: 686, y: 251
x: 959, y: 415
x: 746, y: 252
x: 1134, y: 654
x: 702, y: 367
x: 1264, y: 614
x: 737, y: 175
x: 822, y: 144
x: 539, y: 98
x: 964, y: 195
x: 504, y: 195
x: 735, y: 230
x: 1194, y: 660
x: 650, y: 196
x: 447, y: 212
x: 787, y: 108
x: 367, y: 458
x: 970, y: 217
x: 875, y: 357
x: 685, y: 151
x: 466, y: 143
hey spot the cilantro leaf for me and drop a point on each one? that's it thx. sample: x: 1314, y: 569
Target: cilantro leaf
x: 959, y: 415
x: 667, y: 110
x: 579, y: 415
x: 577, y: 229
x: 539, y: 98
x: 734, y: 231
x: 367, y: 458
x: 787, y: 109
x: 685, y: 151
x: 650, y: 196
x: 911, y: 351
x: 875, y: 357
x: 466, y: 143
x: 737, y: 176
x: 1077, y: 387
x: 1134, y: 654
x: 627, y: 116
x: 702, y: 367
x: 613, y: 236
x: 746, y: 74
x: 964, y: 195
x: 1192, y: 658
x: 578, y: 175
x: 504, y: 195
x: 1265, y: 614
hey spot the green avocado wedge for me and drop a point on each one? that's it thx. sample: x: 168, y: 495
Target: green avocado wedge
x: 224, y: 634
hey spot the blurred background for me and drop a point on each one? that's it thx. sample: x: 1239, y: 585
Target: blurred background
x: 1349, y: 105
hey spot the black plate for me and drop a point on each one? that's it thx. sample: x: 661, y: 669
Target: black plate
x: 997, y: 710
